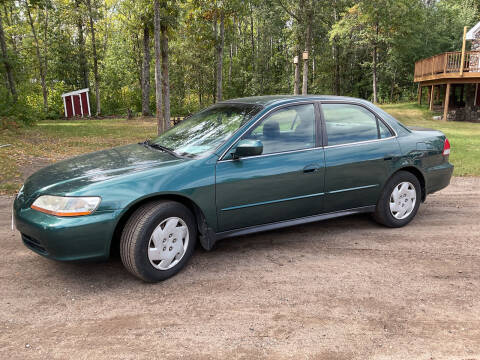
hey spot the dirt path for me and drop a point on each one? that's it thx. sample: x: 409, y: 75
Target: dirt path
x: 340, y: 289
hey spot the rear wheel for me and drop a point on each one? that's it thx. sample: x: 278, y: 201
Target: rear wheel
x: 158, y: 240
x: 399, y: 201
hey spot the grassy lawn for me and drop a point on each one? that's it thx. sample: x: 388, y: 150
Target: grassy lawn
x: 48, y: 141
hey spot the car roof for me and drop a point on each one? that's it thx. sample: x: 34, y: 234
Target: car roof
x: 268, y: 100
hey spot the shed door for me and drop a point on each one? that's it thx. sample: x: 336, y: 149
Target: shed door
x: 76, y: 104
x: 68, y: 104
x: 84, y: 104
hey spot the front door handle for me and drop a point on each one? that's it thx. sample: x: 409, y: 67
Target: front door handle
x: 311, y: 168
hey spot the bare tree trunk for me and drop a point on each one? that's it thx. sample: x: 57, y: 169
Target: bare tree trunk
x: 336, y: 56
x: 230, y: 65
x: 252, y: 37
x: 200, y: 89
x: 374, y: 70
x: 138, y: 60
x: 220, y: 45
x: 95, y: 59
x: 308, y: 30
x: 158, y: 70
x: 296, y: 79
x: 374, y: 75
x: 146, y: 71
x: 81, y: 48
x: 39, y: 59
x: 337, y: 68
x: 8, y: 68
x: 165, y: 79
x: 392, y: 88
x: 296, y: 84
x: 45, y: 40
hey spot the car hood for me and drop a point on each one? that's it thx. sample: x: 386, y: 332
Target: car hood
x: 71, y: 174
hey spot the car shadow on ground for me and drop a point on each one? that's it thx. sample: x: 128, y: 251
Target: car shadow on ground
x: 300, y: 239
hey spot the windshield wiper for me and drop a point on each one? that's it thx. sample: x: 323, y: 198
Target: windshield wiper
x: 153, y: 145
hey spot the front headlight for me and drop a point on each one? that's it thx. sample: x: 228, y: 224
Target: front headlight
x: 66, y: 206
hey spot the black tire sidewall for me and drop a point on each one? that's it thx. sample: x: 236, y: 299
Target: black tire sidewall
x: 145, y: 268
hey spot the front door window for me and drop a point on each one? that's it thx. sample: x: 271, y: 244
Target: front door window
x: 288, y: 129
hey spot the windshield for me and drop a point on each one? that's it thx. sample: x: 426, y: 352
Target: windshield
x: 203, y: 132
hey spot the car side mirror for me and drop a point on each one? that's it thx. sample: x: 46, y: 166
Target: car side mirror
x: 248, y: 147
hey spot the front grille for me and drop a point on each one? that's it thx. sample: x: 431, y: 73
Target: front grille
x: 33, y: 244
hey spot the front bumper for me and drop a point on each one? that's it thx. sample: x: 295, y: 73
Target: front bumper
x: 66, y: 238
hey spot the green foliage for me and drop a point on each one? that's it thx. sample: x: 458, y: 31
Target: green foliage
x: 15, y: 113
x: 261, y: 39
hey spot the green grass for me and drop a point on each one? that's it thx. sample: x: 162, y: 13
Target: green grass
x: 49, y: 141
x: 464, y: 137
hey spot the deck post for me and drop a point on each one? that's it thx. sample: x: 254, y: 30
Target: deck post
x: 432, y: 92
x: 446, y: 102
x: 419, y: 94
x: 476, y: 94
x: 463, y: 50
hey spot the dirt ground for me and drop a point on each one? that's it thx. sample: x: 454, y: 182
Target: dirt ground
x: 340, y: 289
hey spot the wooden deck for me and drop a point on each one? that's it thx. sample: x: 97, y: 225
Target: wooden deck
x: 445, y: 71
x: 447, y: 67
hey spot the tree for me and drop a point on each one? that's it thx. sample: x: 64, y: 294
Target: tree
x: 165, y: 74
x: 81, y: 46
x: 303, y: 15
x: 308, y: 9
x: 41, y: 64
x: 158, y: 69
x: 208, y: 50
x: 220, y: 41
x: 146, y: 70
x: 167, y: 26
x: 95, y: 57
x: 6, y: 62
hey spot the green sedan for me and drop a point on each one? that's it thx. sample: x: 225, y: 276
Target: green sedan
x: 238, y: 167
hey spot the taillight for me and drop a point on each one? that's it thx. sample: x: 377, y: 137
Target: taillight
x: 446, y: 148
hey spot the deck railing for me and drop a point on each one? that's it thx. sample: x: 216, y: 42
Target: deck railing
x: 446, y: 63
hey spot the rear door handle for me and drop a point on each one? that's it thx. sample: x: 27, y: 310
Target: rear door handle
x: 388, y: 157
x: 311, y: 168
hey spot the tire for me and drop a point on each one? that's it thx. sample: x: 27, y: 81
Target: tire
x: 156, y: 233
x: 391, y: 213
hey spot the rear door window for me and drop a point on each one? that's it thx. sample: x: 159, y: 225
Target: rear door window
x: 349, y: 123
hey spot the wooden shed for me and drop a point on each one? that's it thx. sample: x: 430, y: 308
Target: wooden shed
x: 76, y: 103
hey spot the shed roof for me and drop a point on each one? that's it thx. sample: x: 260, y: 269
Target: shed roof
x: 75, y: 92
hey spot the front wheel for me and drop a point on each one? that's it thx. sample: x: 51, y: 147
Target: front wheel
x: 399, y: 201
x: 158, y: 239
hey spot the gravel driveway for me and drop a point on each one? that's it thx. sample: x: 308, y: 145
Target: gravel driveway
x: 340, y: 289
